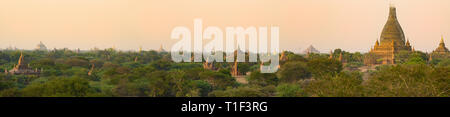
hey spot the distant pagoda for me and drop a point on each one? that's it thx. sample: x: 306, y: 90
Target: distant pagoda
x: 23, y: 69
x: 161, y: 49
x: 311, y: 49
x: 441, y: 49
x: 41, y: 47
x: 392, y: 41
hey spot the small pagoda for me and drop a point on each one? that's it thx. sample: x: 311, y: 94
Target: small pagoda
x: 23, y: 69
x: 441, y: 49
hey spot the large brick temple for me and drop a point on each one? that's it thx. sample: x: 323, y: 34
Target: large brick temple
x: 392, y: 41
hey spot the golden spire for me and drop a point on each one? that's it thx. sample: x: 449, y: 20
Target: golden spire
x: 431, y: 58
x: 283, y: 56
x: 234, y: 69
x: 391, y: 4
x: 407, y: 43
x: 392, y: 12
x: 377, y: 43
x: 441, y: 48
x: 392, y: 30
x: 20, y: 58
x: 340, y: 57
x: 91, y: 70
x: 161, y: 49
x: 331, y: 55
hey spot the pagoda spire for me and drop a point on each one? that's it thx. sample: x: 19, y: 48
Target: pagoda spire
x: 161, y: 49
x: 442, y: 44
x: 430, y: 58
x: 407, y: 42
x: 91, y: 70
x: 392, y: 11
x: 377, y: 43
x: 392, y: 29
x: 441, y: 48
x: 20, y: 59
x: 331, y: 54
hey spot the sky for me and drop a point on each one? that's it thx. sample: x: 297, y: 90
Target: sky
x: 352, y: 25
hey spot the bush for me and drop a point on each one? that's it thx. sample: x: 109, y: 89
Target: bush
x: 289, y: 90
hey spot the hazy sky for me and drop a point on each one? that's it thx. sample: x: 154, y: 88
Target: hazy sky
x: 352, y: 25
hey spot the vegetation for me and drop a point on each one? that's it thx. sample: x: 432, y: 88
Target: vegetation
x: 108, y: 73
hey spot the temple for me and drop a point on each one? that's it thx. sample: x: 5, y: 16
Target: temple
x: 392, y: 41
x: 41, y: 47
x: 209, y: 65
x: 161, y: 49
x: 23, y: 69
x: 441, y: 49
x: 310, y: 50
x: 234, y: 68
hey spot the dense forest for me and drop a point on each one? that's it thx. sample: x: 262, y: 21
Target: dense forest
x: 112, y: 73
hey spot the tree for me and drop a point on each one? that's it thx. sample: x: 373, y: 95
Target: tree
x: 78, y: 61
x: 59, y: 87
x: 260, y: 79
x: 324, y: 66
x: 6, y: 85
x: 415, y: 80
x: 294, y: 57
x: 415, y: 60
x: 243, y: 68
x: 293, y: 71
x: 444, y: 63
x: 44, y: 63
x: 161, y: 65
x: 289, y: 90
x: 345, y: 84
x: 218, y: 80
x: 12, y: 92
x: 202, y: 87
x: 159, y: 85
x: 239, y: 92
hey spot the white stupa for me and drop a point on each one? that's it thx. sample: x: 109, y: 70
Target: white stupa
x: 311, y: 49
x: 41, y: 46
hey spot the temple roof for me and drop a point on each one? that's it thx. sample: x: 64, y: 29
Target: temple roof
x: 22, y: 67
x: 311, y: 49
x: 441, y: 48
x: 20, y: 62
x: 392, y: 30
x: 161, y: 49
x: 41, y: 46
